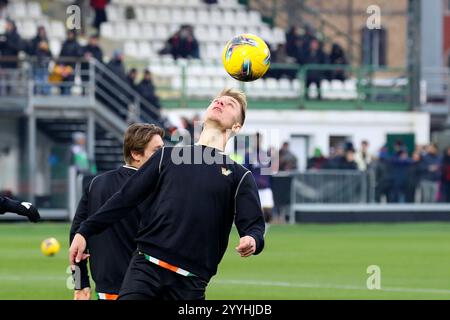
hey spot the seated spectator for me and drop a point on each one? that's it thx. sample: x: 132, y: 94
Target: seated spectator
x: 337, y: 56
x: 291, y: 41
x: 71, y: 51
x: 147, y: 90
x: 182, y: 44
x: 307, y: 38
x: 315, y: 56
x: 280, y: 56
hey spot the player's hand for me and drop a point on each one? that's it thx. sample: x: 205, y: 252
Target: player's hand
x: 246, y: 247
x: 83, y: 294
x: 28, y: 210
x: 76, y: 251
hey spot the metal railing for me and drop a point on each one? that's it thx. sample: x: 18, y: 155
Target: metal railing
x: 371, y: 85
x: 352, y: 87
x: 435, y: 85
x: 76, y: 78
x: 331, y: 186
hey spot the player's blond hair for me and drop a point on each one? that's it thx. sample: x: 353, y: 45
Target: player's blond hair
x: 241, y: 98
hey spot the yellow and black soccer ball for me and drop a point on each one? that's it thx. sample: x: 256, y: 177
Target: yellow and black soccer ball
x: 246, y: 57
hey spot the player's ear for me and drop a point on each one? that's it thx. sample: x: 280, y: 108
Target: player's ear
x: 236, y: 127
x: 136, y: 156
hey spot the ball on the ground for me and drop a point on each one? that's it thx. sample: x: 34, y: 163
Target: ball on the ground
x: 50, y: 247
x: 246, y: 57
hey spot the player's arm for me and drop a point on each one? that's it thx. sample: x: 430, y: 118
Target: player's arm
x: 249, y: 218
x: 81, y: 274
x: 25, y: 209
x: 123, y: 202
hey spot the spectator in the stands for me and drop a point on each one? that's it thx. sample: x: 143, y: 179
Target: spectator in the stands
x: 383, y: 175
x: 210, y: 1
x: 116, y: 65
x: 363, y: 157
x: 337, y: 56
x: 41, y: 35
x: 400, y: 165
x: 100, y: 13
x: 131, y: 78
x: 10, y: 45
x: 182, y: 44
x: 280, y: 56
x: 147, y: 90
x: 413, y: 176
x: 292, y: 36
x: 307, y: 38
x: 349, y: 162
x: 42, y: 59
x: 91, y: 51
x: 315, y: 55
x: 287, y: 160
x: 431, y: 174
x: 110, y: 84
x: 344, y: 158
x: 317, y: 161
x: 39, y: 50
x: 70, y: 54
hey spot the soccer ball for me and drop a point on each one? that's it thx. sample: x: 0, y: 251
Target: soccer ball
x: 50, y: 247
x: 246, y: 57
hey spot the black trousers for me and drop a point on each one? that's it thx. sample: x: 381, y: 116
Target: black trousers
x: 147, y: 281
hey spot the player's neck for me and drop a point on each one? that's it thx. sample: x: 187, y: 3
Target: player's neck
x: 213, y: 137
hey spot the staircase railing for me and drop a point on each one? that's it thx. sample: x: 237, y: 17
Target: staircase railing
x: 137, y: 107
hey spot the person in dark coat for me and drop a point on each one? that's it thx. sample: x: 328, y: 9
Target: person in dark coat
x: 41, y: 35
x: 315, y: 56
x: 70, y: 52
x: 337, y: 57
x: 147, y: 90
x: 10, y: 46
x: 91, y: 50
x: 401, y: 164
x: 413, y: 176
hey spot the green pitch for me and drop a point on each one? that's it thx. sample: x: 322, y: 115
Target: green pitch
x: 299, y: 262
